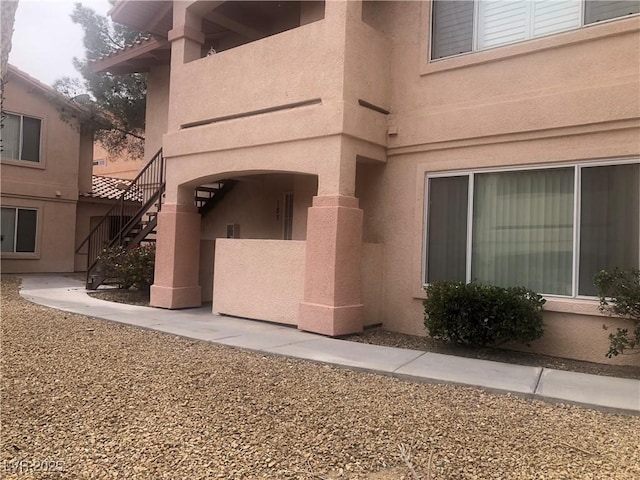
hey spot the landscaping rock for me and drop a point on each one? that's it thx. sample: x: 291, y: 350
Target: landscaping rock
x: 86, y: 398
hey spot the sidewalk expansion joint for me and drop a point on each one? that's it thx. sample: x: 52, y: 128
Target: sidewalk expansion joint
x: 409, y: 361
x: 535, y: 388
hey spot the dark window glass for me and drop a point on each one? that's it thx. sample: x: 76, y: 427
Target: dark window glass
x: 609, y: 217
x: 447, y: 233
x: 26, y: 235
x: 597, y: 11
x: 8, y: 229
x: 452, y: 27
x: 30, y: 139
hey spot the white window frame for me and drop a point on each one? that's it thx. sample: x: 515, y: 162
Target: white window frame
x: 475, y: 40
x: 577, y: 166
x: 15, y: 231
x: 22, y: 116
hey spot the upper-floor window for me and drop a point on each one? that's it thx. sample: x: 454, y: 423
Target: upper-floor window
x: 21, y: 137
x: 462, y: 26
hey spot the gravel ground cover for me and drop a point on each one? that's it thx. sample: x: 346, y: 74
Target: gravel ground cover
x: 86, y: 398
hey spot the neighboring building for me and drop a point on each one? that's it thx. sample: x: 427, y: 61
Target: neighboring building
x: 106, y: 164
x: 46, y: 164
x: 47, y: 199
x: 380, y: 145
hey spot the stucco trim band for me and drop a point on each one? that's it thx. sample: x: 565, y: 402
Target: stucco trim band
x: 304, y: 103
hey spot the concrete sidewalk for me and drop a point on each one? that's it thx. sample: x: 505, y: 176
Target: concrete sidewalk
x: 199, y: 323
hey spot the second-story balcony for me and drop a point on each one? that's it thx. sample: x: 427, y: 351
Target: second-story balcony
x: 327, y: 57
x: 255, y: 58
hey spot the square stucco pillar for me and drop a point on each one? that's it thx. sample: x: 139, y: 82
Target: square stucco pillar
x: 177, y: 258
x: 332, y: 290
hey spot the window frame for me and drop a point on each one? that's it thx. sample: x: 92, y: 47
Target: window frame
x: 576, y: 166
x: 20, y: 161
x: 474, y: 46
x: 14, y: 253
x: 287, y: 215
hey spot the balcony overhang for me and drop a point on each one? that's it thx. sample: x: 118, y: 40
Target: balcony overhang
x: 136, y: 58
x: 224, y: 25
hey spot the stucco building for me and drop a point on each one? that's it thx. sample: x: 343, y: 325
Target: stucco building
x: 50, y: 199
x: 46, y: 164
x: 106, y: 164
x: 375, y: 146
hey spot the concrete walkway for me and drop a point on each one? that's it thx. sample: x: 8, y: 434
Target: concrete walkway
x: 199, y: 323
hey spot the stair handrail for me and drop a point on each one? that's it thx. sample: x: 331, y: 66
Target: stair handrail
x: 121, y: 198
x: 134, y: 192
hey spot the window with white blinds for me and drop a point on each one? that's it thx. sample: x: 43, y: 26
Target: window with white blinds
x: 466, y: 26
x: 548, y: 229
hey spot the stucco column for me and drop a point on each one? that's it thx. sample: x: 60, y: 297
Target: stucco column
x: 332, y: 289
x: 177, y: 258
x: 186, y: 39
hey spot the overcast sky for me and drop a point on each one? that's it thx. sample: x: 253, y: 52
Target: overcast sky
x: 45, y: 40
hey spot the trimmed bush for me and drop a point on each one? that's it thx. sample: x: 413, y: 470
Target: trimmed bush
x: 482, y: 315
x: 619, y: 293
x: 129, y: 268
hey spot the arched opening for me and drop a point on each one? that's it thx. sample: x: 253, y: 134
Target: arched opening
x: 254, y: 208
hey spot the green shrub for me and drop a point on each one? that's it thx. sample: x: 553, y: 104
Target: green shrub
x: 619, y: 292
x: 482, y: 315
x: 129, y: 268
x: 110, y: 262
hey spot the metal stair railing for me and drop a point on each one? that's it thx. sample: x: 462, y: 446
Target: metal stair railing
x: 208, y: 196
x: 123, y: 224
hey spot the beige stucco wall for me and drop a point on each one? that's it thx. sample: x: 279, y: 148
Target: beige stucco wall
x: 117, y: 166
x: 565, y: 98
x: 584, y: 337
x: 252, y: 205
x: 260, y: 279
x: 264, y: 279
x: 157, y: 109
x: 54, y: 237
x: 256, y: 204
x: 51, y: 186
x: 542, y: 101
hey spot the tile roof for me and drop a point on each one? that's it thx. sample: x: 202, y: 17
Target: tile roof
x: 130, y: 46
x: 111, y: 188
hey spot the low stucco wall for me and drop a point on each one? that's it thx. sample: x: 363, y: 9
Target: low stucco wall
x: 579, y: 332
x: 260, y: 279
x: 264, y: 279
x: 583, y: 337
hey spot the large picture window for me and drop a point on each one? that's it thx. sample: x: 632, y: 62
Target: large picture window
x: 21, y: 137
x: 18, y: 229
x: 462, y: 26
x: 548, y: 229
